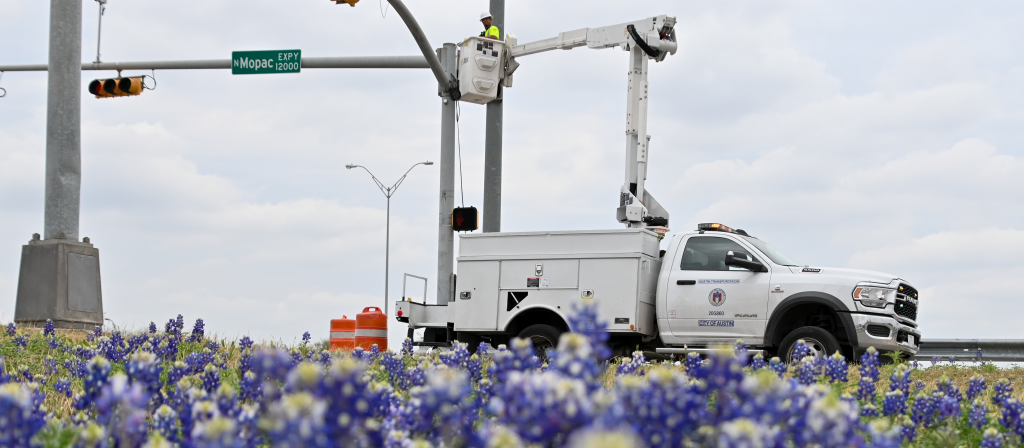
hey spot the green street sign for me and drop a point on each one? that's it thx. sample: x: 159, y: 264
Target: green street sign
x: 264, y: 62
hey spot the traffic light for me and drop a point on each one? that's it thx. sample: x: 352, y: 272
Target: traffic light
x: 465, y: 219
x: 108, y: 88
x: 350, y: 2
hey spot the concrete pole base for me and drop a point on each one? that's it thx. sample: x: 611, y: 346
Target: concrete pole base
x: 59, y: 281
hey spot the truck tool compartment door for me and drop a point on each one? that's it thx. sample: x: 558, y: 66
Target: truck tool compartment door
x: 707, y: 300
x: 476, y: 296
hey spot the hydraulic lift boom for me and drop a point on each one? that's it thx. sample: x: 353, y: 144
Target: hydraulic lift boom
x: 648, y: 39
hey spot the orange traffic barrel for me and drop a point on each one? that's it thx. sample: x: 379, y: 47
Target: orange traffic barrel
x: 343, y: 334
x: 372, y: 328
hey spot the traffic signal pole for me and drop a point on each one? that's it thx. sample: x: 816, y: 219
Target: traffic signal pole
x: 492, y: 142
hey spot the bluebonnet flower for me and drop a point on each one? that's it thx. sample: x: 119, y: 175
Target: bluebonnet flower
x: 664, y: 408
x: 245, y: 343
x: 977, y: 355
x: 836, y: 368
x: 520, y: 358
x: 63, y: 386
x: 12, y: 330
x: 801, y: 350
x: 633, y: 365
x: 407, y: 347
x: 21, y: 340
x: 894, y: 403
x: 165, y: 422
x: 152, y: 327
x: 952, y: 359
x: 741, y: 352
x: 121, y: 410
x: 198, y: 331
x: 807, y: 370
x: 925, y: 409
x: 210, y: 378
x: 884, y: 435
x: 525, y: 403
x: 978, y: 417
x: 744, y: 432
x: 52, y: 343
x: 908, y: 429
x: 692, y: 363
x: 584, y: 321
x: 869, y: 374
x: 179, y: 324
x: 777, y: 366
x: 306, y: 337
x: 992, y: 439
x: 948, y: 407
x: 1003, y: 389
x: 97, y: 331
x: 250, y: 387
x: 49, y: 366
x: 758, y: 362
x: 869, y: 410
x: 98, y: 369
x: 575, y: 358
x: 900, y: 379
x: 48, y: 328
x: 20, y: 418
x: 456, y: 356
x: 1013, y: 416
x: 976, y: 387
x: 227, y: 401
x: 934, y: 360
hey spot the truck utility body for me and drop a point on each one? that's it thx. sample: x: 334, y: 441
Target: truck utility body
x: 707, y: 288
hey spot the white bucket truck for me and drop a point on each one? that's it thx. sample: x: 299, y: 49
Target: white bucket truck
x: 705, y: 288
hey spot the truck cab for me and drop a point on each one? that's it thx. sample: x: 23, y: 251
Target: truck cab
x: 718, y: 285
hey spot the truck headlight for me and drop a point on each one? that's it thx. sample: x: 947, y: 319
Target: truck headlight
x: 872, y: 295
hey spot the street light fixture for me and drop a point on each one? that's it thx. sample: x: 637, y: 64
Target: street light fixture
x: 388, y: 192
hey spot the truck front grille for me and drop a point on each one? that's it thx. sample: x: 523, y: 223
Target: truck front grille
x: 906, y: 308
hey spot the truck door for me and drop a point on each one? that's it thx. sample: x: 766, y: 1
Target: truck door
x: 709, y: 301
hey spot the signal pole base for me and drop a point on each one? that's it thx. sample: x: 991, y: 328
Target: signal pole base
x: 59, y: 281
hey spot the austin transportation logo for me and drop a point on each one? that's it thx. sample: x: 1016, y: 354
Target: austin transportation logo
x: 717, y: 297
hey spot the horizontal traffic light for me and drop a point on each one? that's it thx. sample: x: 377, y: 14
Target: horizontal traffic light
x: 108, y: 88
x: 465, y: 219
x: 350, y: 2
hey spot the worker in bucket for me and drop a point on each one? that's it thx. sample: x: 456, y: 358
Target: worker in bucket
x: 490, y: 31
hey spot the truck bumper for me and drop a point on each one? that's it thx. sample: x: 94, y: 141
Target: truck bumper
x: 900, y: 337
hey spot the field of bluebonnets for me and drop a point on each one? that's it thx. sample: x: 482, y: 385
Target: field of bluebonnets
x: 169, y: 387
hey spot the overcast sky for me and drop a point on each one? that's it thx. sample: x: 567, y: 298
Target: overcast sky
x: 871, y: 134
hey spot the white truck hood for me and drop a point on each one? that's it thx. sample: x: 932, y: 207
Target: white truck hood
x: 854, y: 275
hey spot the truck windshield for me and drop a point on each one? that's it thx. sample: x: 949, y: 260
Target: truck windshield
x: 771, y: 252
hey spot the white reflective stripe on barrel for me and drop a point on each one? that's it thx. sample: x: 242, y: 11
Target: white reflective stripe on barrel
x: 367, y: 333
x: 342, y: 335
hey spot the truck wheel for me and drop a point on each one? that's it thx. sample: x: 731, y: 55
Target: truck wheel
x: 821, y: 342
x: 471, y: 340
x: 543, y: 337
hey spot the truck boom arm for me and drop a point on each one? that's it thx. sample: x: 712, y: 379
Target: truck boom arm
x: 645, y: 39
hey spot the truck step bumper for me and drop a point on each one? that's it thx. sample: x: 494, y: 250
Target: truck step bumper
x: 885, y: 333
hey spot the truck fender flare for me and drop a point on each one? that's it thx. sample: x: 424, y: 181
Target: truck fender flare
x: 803, y: 298
x: 537, y: 307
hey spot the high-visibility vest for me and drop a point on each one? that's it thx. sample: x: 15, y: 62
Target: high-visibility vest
x: 492, y: 31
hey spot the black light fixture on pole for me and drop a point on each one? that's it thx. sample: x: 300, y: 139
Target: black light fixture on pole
x: 388, y: 192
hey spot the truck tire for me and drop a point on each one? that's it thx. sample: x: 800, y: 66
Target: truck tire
x: 544, y: 338
x: 822, y: 343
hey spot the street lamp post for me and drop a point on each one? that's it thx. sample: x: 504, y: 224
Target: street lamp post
x: 388, y: 192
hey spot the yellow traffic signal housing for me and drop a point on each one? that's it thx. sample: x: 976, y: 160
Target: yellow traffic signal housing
x: 108, y: 88
x: 351, y: 3
x: 465, y: 219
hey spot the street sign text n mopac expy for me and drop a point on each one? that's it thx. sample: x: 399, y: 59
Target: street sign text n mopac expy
x: 263, y: 62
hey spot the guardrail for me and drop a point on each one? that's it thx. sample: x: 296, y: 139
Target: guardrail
x: 994, y: 350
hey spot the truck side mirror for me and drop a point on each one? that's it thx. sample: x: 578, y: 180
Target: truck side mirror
x: 739, y: 259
